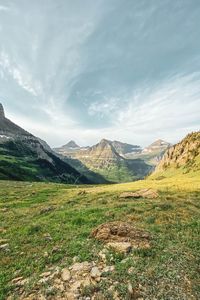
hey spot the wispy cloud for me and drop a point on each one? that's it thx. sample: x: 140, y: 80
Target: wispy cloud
x: 117, y: 69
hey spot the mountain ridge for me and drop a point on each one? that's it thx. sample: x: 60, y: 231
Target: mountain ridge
x: 25, y: 157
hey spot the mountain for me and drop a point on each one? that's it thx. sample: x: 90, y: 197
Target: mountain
x: 153, y: 153
x: 25, y: 157
x: 157, y: 147
x: 123, y: 148
x: 104, y: 159
x: 182, y: 158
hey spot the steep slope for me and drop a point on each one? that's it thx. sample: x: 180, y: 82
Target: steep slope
x: 103, y: 159
x: 25, y: 157
x: 182, y: 158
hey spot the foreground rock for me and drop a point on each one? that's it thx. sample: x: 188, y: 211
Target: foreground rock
x: 122, y: 236
x: 144, y: 193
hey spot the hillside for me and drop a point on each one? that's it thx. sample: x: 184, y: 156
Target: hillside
x: 182, y: 158
x: 25, y: 157
x: 104, y: 159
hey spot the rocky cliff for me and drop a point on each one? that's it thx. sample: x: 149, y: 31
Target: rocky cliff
x: 184, y: 156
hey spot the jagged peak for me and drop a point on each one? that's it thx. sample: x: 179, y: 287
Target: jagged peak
x: 72, y: 144
x: 2, y: 114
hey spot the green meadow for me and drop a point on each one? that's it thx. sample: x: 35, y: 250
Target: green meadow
x: 46, y: 225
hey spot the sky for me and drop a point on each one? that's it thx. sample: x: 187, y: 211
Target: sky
x: 125, y: 70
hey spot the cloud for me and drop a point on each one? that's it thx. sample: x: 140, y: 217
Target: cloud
x: 118, y: 69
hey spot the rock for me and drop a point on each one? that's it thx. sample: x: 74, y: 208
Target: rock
x: 47, y: 237
x: 19, y: 281
x: 82, y: 192
x: 130, y: 270
x: 130, y: 291
x: 121, y: 232
x: 45, y: 274
x: 81, y: 267
x: 108, y: 269
x: 122, y: 247
x: 95, y: 273
x: 144, y: 193
x: 65, y: 274
x: 46, y: 210
x: 4, y: 247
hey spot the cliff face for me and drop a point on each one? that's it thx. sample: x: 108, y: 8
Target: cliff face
x: 185, y: 155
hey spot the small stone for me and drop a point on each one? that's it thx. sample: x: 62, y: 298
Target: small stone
x: 130, y: 270
x: 109, y: 269
x: 122, y: 247
x: 47, y: 237
x: 130, y: 289
x: 65, y: 275
x: 4, y: 247
x: 46, y: 254
x: 45, y: 274
x: 95, y: 272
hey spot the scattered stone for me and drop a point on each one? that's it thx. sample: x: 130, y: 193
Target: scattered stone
x: 130, y: 289
x: 122, y: 247
x: 47, y: 237
x: 45, y: 274
x: 46, y: 210
x: 82, y: 192
x: 65, y: 274
x: 19, y: 281
x: 130, y: 270
x: 95, y: 273
x: 46, y: 254
x: 108, y: 269
x: 144, y: 193
x: 4, y: 247
x: 4, y: 209
x: 81, y: 267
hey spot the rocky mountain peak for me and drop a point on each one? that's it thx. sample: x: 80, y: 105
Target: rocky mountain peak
x: 2, y: 114
x: 72, y: 144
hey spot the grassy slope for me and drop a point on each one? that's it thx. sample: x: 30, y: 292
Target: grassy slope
x: 167, y: 271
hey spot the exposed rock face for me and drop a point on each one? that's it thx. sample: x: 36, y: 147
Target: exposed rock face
x: 185, y: 154
x: 2, y: 114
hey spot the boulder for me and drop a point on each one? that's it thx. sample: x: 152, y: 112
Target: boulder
x: 144, y: 193
x: 121, y: 247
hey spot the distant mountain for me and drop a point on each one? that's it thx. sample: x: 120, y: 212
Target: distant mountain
x: 104, y: 159
x: 25, y: 157
x: 123, y: 148
x: 153, y: 153
x: 157, y: 146
x: 182, y: 158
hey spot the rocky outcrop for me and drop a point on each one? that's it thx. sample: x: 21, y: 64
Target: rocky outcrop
x: 185, y: 154
x: 144, y: 193
x: 121, y: 236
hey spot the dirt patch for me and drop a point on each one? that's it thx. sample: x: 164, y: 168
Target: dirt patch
x: 145, y: 193
x: 122, y: 232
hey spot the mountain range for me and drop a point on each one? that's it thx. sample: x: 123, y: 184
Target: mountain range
x: 25, y: 157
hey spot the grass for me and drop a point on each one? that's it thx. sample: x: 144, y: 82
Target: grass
x: 169, y: 270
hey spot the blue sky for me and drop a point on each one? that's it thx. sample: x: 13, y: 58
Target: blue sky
x: 117, y: 69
